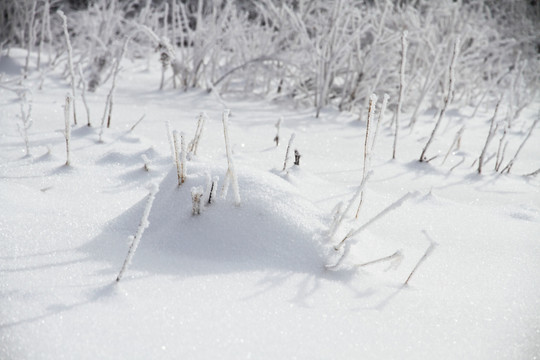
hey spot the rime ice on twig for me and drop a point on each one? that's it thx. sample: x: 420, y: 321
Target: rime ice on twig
x: 401, y: 87
x: 347, y: 244
x: 231, y: 172
x: 293, y: 135
x: 447, y: 100
x: 140, y: 230
x: 278, y: 126
x: 70, y: 61
x: 67, y: 128
x: 196, y: 195
x: 428, y: 251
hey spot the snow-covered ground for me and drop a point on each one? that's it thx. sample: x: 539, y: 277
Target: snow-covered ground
x: 251, y: 281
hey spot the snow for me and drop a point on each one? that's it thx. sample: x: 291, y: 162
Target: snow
x: 250, y: 281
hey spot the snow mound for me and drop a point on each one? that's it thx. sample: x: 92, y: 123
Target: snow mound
x: 274, y: 228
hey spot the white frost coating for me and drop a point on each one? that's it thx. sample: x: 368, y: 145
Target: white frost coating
x: 170, y: 139
x: 70, y: 61
x: 196, y: 195
x: 347, y: 244
x: 293, y: 135
x: 153, y: 188
x: 353, y: 200
x: 183, y: 157
x: 401, y: 87
x: 386, y: 97
x: 231, y: 172
x: 392, y: 207
x: 67, y: 129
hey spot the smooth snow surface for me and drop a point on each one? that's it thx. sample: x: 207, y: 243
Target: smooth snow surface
x: 250, y: 281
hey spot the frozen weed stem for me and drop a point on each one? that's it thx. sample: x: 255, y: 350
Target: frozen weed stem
x: 291, y: 139
x: 140, y: 230
x: 67, y: 128
x: 447, y: 100
x: 401, y: 87
x: 196, y: 195
x: 231, y: 172
x: 70, y: 61
x: 180, y: 157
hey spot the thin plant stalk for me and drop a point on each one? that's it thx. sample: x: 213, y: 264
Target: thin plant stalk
x: 508, y: 167
x: 401, y: 87
x: 83, y: 94
x: 140, y: 230
x: 67, y: 128
x: 70, y: 62
x: 491, y: 134
x: 291, y: 139
x: 231, y: 171
x: 447, y: 100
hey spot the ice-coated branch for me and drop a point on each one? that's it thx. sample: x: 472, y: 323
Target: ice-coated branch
x: 491, y: 134
x: 140, y: 230
x: 81, y: 75
x: 386, y: 97
x: 26, y: 124
x: 508, y: 167
x: 342, y: 214
x: 110, y: 97
x: 231, y: 172
x: 278, y: 126
x: 447, y: 100
x: 194, y: 144
x: 70, y: 61
x: 457, y: 140
x: 401, y: 87
x: 353, y: 232
x: 180, y: 156
x: 291, y: 139
x: 367, y: 153
x: 428, y: 251
x: 67, y: 128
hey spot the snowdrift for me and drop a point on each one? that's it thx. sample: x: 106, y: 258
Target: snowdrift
x: 273, y: 228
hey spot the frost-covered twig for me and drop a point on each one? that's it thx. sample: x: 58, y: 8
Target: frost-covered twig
x: 508, y: 167
x: 196, y: 195
x: 172, y: 146
x: 231, y: 172
x: 180, y: 157
x: 140, y: 230
x: 291, y: 139
x: 354, y: 232
x: 26, y: 123
x: 113, y: 86
x: 447, y: 100
x: 67, y: 129
x: 70, y: 61
x: 401, y: 87
x: 457, y: 140
x: 213, y: 190
x: 492, y: 130
x: 397, y: 256
x: 278, y: 126
x: 84, y: 94
x: 194, y: 144
x: 367, y: 148
x: 429, y: 250
x: 342, y: 214
x: 386, y: 97
x: 137, y: 123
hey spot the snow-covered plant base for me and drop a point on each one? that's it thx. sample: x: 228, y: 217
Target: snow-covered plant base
x: 250, y: 281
